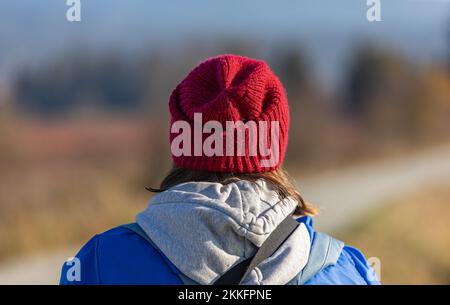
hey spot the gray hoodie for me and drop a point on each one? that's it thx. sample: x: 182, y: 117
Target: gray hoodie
x: 206, y: 228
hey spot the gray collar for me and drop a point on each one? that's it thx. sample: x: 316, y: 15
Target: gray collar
x: 206, y: 228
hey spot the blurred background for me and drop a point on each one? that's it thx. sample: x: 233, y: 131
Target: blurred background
x: 84, y: 122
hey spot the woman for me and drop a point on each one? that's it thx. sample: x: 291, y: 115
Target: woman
x: 225, y: 214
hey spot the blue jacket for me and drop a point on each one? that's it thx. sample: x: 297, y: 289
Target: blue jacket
x: 199, y: 230
x: 120, y: 256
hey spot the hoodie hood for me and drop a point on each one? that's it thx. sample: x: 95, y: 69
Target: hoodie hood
x: 206, y: 228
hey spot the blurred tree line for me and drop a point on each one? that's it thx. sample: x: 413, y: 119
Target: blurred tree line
x: 384, y: 99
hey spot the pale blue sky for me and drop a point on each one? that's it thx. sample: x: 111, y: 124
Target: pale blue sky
x: 33, y: 30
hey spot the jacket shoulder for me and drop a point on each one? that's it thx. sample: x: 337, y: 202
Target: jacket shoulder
x: 119, y: 256
x: 351, y: 268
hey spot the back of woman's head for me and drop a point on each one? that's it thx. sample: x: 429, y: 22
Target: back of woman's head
x: 229, y: 122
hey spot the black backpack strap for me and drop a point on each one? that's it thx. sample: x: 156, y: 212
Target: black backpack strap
x: 235, y: 275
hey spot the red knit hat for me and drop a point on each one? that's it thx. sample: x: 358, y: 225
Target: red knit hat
x: 230, y: 88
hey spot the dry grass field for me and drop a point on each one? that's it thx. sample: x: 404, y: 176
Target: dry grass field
x: 60, y: 185
x: 410, y: 236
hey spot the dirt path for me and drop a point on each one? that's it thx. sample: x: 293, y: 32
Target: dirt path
x: 39, y: 269
x: 342, y: 196
x: 346, y: 194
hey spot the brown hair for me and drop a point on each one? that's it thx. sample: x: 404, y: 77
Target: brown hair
x: 279, y: 179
